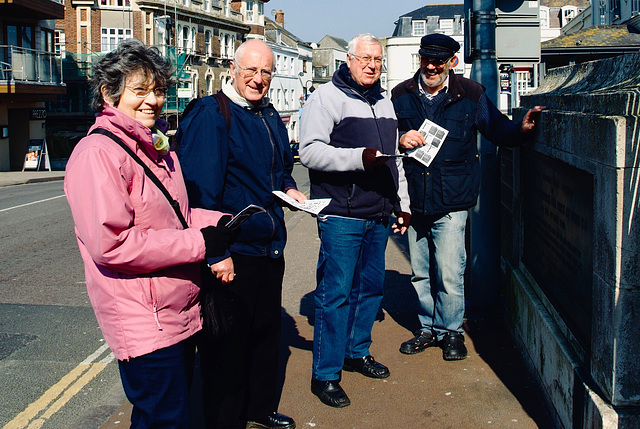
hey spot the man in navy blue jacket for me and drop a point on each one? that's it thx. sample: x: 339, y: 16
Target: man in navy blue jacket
x: 226, y: 170
x: 442, y: 193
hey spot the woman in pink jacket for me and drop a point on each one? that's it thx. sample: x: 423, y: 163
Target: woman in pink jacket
x: 142, y: 255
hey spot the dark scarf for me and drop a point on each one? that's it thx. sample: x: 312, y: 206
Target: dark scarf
x: 371, y: 94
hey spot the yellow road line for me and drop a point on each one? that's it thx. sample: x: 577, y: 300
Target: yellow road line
x: 74, y: 389
x: 68, y: 386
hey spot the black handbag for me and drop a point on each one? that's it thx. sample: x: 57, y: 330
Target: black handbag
x: 218, y: 305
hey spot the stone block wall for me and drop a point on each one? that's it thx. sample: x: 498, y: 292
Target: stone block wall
x: 590, y: 133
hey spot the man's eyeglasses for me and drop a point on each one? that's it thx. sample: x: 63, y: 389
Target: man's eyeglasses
x: 252, y: 71
x: 438, y: 62
x: 144, y: 92
x: 364, y: 60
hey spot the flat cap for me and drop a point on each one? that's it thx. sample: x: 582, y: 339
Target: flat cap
x: 439, y: 46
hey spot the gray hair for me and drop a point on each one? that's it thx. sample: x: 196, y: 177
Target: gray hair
x: 131, y: 56
x: 364, y: 37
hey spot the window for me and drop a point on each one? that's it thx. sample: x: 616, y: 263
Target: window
x: 184, y: 39
x: 278, y: 68
x: 112, y: 36
x: 116, y: 4
x: 227, y: 45
x: 523, y: 79
x: 418, y: 28
x: 207, y: 5
x: 320, y: 71
x: 614, y: 8
x: 60, y: 42
x: 207, y: 43
x: 260, y: 8
x: 47, y: 40
x: 209, y: 84
x: 415, y: 61
x: 192, y: 39
x: 249, y: 16
x: 446, y: 25
x: 544, y: 17
x: 635, y: 7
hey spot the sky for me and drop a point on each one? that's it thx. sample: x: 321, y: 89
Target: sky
x: 311, y: 20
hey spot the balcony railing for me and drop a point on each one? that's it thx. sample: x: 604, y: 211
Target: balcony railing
x: 29, y: 65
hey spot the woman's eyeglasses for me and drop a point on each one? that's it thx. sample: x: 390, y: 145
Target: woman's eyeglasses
x: 144, y: 92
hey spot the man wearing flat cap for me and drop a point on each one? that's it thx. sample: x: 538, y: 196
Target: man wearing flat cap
x: 442, y: 193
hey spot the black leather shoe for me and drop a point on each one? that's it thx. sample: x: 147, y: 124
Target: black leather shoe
x: 453, y: 347
x: 273, y: 421
x: 330, y: 393
x: 366, y: 366
x: 421, y: 341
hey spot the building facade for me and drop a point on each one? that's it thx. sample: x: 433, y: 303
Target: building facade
x: 328, y: 55
x: 30, y: 75
x: 402, y: 47
x: 293, y: 59
x: 199, y: 36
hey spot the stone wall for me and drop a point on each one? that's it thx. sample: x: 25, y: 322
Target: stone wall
x: 570, y: 242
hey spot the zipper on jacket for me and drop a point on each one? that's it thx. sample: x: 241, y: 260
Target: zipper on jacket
x: 351, y: 190
x: 154, y: 305
x: 273, y: 162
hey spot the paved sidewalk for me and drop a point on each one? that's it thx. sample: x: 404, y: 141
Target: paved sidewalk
x: 9, y: 178
x: 491, y: 388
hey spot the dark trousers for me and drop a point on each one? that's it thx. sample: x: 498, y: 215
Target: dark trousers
x: 240, y: 370
x: 158, y: 384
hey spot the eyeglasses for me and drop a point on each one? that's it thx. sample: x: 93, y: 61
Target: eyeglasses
x: 144, y: 92
x: 364, y: 60
x: 252, y: 71
x: 438, y: 62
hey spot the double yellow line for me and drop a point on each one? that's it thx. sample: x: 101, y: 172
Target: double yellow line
x: 38, y: 412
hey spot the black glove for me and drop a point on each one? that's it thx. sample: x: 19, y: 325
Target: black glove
x: 369, y: 159
x: 406, y: 218
x: 217, y: 239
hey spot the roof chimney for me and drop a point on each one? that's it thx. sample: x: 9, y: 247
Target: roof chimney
x: 280, y: 18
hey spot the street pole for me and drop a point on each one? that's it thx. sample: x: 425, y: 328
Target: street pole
x: 484, y: 221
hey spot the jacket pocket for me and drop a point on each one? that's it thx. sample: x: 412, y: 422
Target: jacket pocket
x: 153, y: 292
x: 458, y: 124
x: 457, y: 184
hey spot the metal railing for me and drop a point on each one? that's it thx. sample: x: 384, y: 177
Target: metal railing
x: 29, y: 65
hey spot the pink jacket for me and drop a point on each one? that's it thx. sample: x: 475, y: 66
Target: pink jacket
x: 141, y: 267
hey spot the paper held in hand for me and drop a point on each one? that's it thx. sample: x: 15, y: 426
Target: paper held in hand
x: 434, y: 135
x: 310, y: 206
x: 243, y: 215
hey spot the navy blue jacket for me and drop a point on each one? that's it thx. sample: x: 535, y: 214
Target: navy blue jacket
x: 452, y: 181
x: 227, y: 171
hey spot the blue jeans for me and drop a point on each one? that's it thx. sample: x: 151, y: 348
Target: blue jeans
x: 350, y: 278
x: 158, y: 385
x: 438, y: 261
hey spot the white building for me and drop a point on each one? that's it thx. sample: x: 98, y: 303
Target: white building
x: 293, y: 59
x: 403, y: 59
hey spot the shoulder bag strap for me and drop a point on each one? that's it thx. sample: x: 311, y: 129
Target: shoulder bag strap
x: 223, y: 103
x: 147, y: 171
